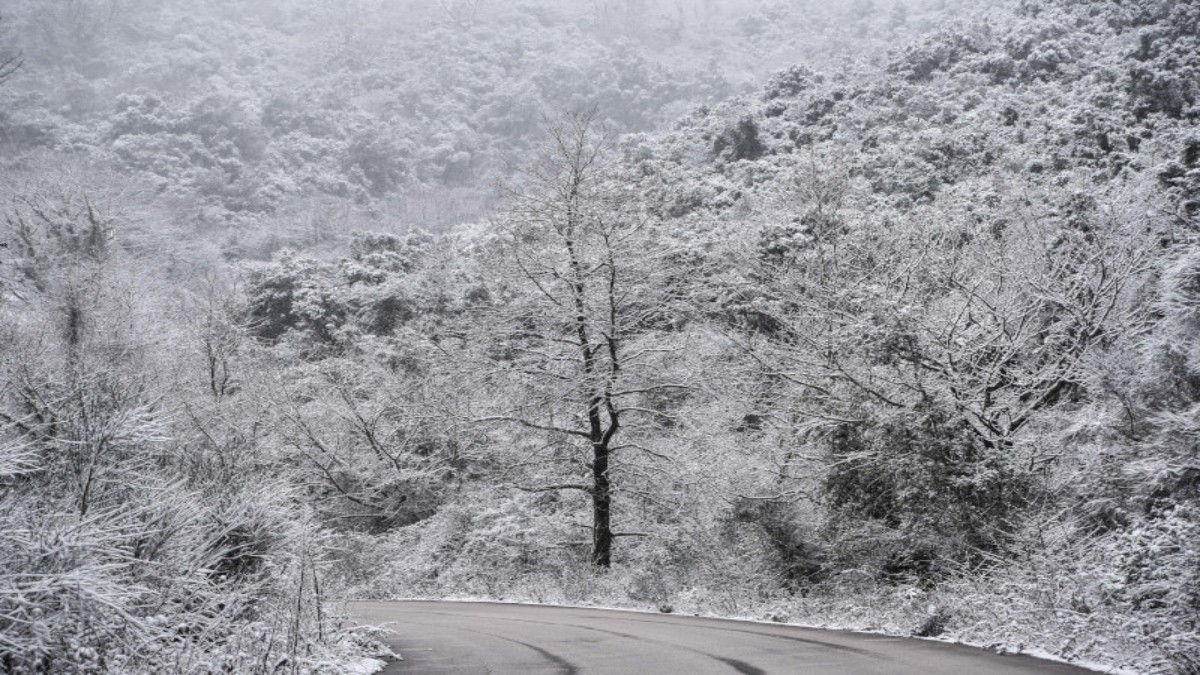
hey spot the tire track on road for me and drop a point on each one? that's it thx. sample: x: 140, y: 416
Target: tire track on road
x: 740, y: 666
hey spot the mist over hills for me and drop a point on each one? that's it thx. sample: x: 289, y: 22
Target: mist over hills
x: 877, y: 314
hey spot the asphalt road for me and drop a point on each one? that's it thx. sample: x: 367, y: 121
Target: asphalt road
x: 467, y: 638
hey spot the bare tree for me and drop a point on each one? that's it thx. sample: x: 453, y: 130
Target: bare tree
x: 10, y: 63
x: 212, y: 315
x: 577, y: 342
x: 369, y: 444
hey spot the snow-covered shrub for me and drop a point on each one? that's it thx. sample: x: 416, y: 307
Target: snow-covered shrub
x: 126, y: 548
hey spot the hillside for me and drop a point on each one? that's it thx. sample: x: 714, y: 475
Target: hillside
x: 870, y: 315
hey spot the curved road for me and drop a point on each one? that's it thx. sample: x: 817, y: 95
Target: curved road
x: 464, y: 638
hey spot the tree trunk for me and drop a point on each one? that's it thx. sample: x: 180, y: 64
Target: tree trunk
x: 602, y: 535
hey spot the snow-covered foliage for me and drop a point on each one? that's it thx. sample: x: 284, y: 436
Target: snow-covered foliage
x: 142, y: 530
x: 906, y: 342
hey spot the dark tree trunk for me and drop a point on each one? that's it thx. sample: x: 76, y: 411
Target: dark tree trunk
x: 602, y: 535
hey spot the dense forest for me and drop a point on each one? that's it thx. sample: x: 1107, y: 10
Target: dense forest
x: 871, y: 314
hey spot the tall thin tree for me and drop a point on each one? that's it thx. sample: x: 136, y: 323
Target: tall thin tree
x: 576, y: 337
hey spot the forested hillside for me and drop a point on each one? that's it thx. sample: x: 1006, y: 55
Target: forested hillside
x: 881, y: 315
x: 256, y: 114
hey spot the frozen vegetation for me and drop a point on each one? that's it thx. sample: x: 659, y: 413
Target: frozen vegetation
x: 873, y: 314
